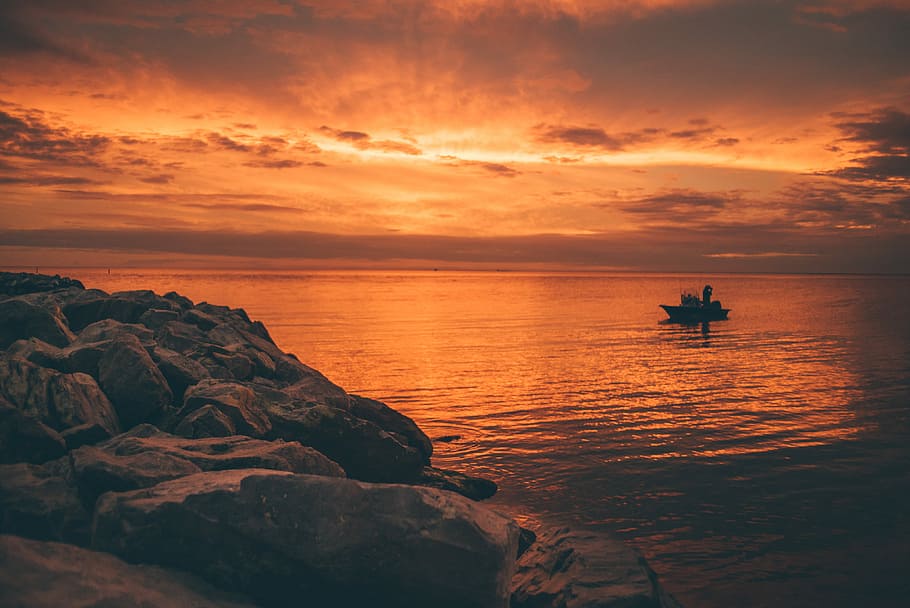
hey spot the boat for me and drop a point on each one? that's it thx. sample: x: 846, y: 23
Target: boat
x: 691, y: 309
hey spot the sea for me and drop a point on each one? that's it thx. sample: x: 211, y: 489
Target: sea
x: 759, y: 461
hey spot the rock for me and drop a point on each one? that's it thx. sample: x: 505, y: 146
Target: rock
x: 18, y: 283
x: 475, y: 488
x: 182, y: 302
x: 392, y: 422
x: 331, y: 541
x: 364, y: 450
x: 97, y: 471
x: 179, y: 370
x: 109, y: 329
x: 200, y: 319
x: 38, y: 352
x: 22, y: 320
x: 37, y: 502
x: 154, y: 318
x: 48, y: 575
x: 60, y: 401
x: 239, y: 366
x: 83, y: 357
x: 207, y: 421
x: 132, y: 381
x: 222, y: 453
x: 84, y: 434
x: 181, y: 337
x: 573, y: 569
x: 94, y: 305
x: 25, y: 439
x: 235, y: 400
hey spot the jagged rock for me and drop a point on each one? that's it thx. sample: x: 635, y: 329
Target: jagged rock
x: 154, y: 318
x: 180, y: 337
x: 39, y: 502
x: 37, y: 574
x: 94, y: 305
x: 364, y: 450
x: 207, y: 421
x: 59, y: 400
x: 39, y: 352
x: 221, y: 453
x: 132, y: 381
x: 572, y: 569
x: 475, y: 488
x: 84, y: 434
x: 19, y: 283
x: 106, y: 330
x: 392, y: 422
x: 98, y: 471
x: 25, y: 439
x: 182, y: 302
x: 200, y: 319
x: 239, y: 366
x: 22, y: 320
x: 236, y: 401
x: 180, y: 371
x: 331, y: 541
x: 83, y: 357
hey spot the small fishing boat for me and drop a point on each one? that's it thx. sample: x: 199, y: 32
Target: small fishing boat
x: 691, y: 309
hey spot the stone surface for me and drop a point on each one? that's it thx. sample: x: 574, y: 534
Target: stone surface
x: 60, y: 401
x: 39, y: 502
x: 180, y: 371
x: 331, y: 541
x: 221, y: 453
x: 236, y: 401
x: 475, y: 488
x: 38, y: 352
x: 133, y: 382
x: 22, y: 319
x: 106, y: 330
x: 392, y: 422
x: 38, y: 574
x: 154, y: 318
x: 18, y: 283
x: 364, y: 450
x: 207, y: 421
x: 25, y: 439
x: 84, y: 434
x: 574, y: 569
x: 95, y: 305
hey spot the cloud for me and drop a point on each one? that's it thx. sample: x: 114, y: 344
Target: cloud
x: 253, y: 207
x: 684, y: 205
x: 884, y: 138
x: 27, y: 135
x: 363, y: 141
x: 274, y: 164
x: 498, y: 169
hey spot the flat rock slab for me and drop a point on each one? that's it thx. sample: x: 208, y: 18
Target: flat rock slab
x: 38, y: 574
x: 282, y: 537
x: 568, y: 568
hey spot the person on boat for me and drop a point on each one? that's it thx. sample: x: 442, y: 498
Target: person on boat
x: 706, y: 295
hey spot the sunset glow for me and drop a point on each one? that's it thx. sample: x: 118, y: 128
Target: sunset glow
x: 653, y: 135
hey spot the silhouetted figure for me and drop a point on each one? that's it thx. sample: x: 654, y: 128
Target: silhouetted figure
x: 706, y: 295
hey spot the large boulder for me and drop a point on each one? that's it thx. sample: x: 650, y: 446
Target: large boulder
x: 180, y: 371
x: 221, y: 453
x: 236, y: 401
x: 133, y: 382
x: 25, y: 439
x: 48, y: 575
x: 321, y: 540
x: 207, y: 421
x: 94, y: 305
x: 59, y: 400
x: 39, y: 352
x: 40, y: 501
x: 22, y: 319
x: 19, y: 283
x: 567, y: 568
x: 364, y: 450
x: 398, y: 425
x: 475, y: 488
x: 106, y: 330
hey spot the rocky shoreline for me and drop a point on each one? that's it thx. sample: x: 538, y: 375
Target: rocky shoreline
x: 159, y: 452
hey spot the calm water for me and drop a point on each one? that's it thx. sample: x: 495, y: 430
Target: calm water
x: 760, y: 461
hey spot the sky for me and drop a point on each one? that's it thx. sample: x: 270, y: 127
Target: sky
x: 653, y: 135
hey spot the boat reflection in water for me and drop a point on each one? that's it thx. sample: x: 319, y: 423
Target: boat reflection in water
x: 693, y: 310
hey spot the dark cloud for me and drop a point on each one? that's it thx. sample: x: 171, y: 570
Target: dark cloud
x: 226, y: 143
x: 253, y: 207
x: 162, y: 178
x: 693, y: 133
x: 498, y: 169
x: 45, y: 180
x: 18, y: 38
x: 592, y: 137
x: 726, y: 141
x: 884, y: 135
x: 363, y: 141
x: 680, y: 205
x: 26, y: 134
x: 274, y: 164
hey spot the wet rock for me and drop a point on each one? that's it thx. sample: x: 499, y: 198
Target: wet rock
x: 97, y: 471
x: 222, y: 453
x: 475, y: 488
x: 59, y: 400
x: 207, y: 421
x: 236, y: 401
x: 574, y: 569
x: 133, y: 382
x: 180, y: 371
x: 49, y: 575
x: 39, y: 502
x: 109, y: 329
x: 364, y: 450
x: 392, y: 422
x: 25, y: 439
x: 332, y: 541
x: 154, y: 318
x: 22, y: 320
x: 85, y: 434
x: 19, y: 283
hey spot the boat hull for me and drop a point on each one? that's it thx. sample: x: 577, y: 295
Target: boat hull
x: 695, y: 314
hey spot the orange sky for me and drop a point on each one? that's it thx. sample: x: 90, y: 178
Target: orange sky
x: 656, y: 135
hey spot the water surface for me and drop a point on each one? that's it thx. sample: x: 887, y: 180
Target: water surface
x: 756, y: 461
